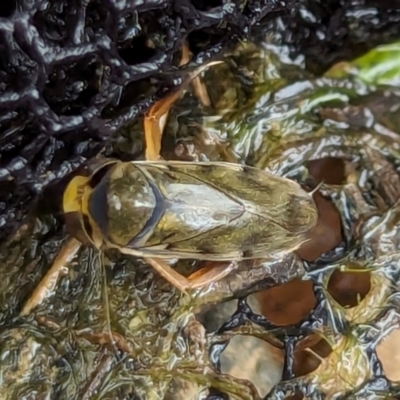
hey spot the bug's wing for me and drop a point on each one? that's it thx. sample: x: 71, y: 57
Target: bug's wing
x: 277, y: 199
x: 222, y: 211
x: 260, y: 240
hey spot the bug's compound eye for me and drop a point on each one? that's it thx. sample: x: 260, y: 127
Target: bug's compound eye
x: 76, y: 199
x: 75, y: 209
x: 73, y: 205
x: 98, y: 175
x: 96, y: 204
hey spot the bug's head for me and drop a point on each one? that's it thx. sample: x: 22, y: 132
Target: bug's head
x: 78, y: 219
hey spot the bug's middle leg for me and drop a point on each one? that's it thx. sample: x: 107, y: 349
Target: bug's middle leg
x: 211, y: 273
x: 198, y: 279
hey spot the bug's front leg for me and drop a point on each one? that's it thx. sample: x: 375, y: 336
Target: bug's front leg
x: 198, y: 279
x: 49, y: 281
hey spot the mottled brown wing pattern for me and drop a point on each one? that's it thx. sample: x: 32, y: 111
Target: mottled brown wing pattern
x: 220, y: 211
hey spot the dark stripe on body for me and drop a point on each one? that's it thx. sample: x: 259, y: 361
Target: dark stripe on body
x: 157, y: 214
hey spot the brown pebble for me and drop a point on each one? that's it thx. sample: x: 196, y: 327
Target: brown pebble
x: 348, y: 288
x: 326, y: 235
x: 330, y: 170
x: 305, y: 361
x: 296, y: 396
x: 289, y: 303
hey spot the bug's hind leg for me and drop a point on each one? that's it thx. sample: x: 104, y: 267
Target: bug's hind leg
x: 154, y: 123
x: 198, y: 279
x: 156, y: 117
